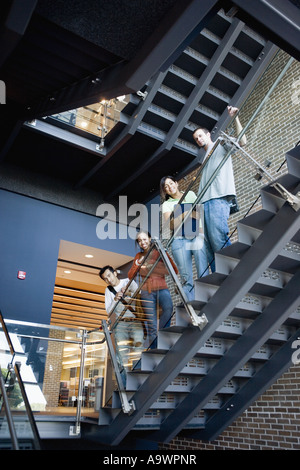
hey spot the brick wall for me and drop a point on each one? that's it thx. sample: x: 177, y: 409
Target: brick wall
x: 53, y: 368
x: 273, y: 421
x: 274, y: 131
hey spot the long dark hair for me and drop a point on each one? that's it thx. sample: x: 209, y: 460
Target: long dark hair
x: 163, y: 193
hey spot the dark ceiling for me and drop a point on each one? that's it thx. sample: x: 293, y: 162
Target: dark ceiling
x: 58, y: 55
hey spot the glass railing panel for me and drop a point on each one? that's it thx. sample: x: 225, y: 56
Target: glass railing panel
x: 18, y: 412
x: 8, y: 434
x: 50, y: 359
x: 17, y: 428
x: 146, y: 306
x: 94, y: 373
x: 97, y: 118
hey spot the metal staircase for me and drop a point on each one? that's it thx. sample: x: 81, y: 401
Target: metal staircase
x: 218, y: 67
x: 199, y: 381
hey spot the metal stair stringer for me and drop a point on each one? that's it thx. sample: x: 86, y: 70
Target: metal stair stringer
x: 272, y: 317
x: 271, y: 371
x: 276, y: 234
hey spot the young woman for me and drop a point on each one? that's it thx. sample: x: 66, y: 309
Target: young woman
x: 189, y: 240
x: 154, y: 292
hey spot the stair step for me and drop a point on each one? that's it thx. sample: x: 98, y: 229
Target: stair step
x: 281, y: 335
x: 248, y: 308
x: 182, y: 383
x: 166, y: 340
x: 150, y: 360
x: 272, y: 200
x: 198, y: 421
x: 232, y: 327
x: 152, y: 419
x: 135, y: 379
x: 168, y: 400
x: 288, y: 260
x: 293, y: 161
x: 294, y: 318
x: 251, y: 305
x: 251, y: 227
x: 268, y: 284
x: 228, y: 258
x: 264, y: 352
x: 215, y: 347
x: 207, y: 286
x: 107, y: 415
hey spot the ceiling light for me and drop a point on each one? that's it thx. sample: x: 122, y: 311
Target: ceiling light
x: 67, y: 271
x: 89, y: 256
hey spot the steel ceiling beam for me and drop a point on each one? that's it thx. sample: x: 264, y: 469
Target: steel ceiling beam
x: 129, y: 129
x: 167, y: 41
x: 15, y: 24
x: 277, y: 20
x: 181, y: 120
x: 190, y: 104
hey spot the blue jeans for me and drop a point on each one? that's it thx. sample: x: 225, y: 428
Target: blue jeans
x: 216, y: 213
x: 183, y: 251
x: 150, y: 303
x: 129, y: 338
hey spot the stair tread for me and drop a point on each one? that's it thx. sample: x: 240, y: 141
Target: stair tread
x: 258, y: 220
x: 235, y: 250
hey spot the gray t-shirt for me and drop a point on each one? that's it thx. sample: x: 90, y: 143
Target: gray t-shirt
x: 223, y: 184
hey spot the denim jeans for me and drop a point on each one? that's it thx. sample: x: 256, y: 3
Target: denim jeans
x: 129, y: 338
x: 150, y: 303
x: 183, y: 251
x: 216, y: 213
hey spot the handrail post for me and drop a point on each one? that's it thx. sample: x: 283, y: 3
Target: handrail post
x: 199, y: 321
x: 8, y: 413
x: 35, y: 432
x: 17, y: 367
x: 127, y: 407
x: 75, y: 430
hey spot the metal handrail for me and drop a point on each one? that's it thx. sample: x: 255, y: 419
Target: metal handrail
x: 82, y: 342
x: 17, y: 367
x: 197, y: 321
x: 35, y: 432
x: 8, y: 413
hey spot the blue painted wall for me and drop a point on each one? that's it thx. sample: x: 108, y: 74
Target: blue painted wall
x: 30, y: 234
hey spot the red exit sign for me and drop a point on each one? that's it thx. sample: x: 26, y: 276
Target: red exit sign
x: 21, y: 274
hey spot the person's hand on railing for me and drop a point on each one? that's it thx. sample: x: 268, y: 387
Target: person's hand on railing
x: 119, y: 295
x: 233, y: 112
